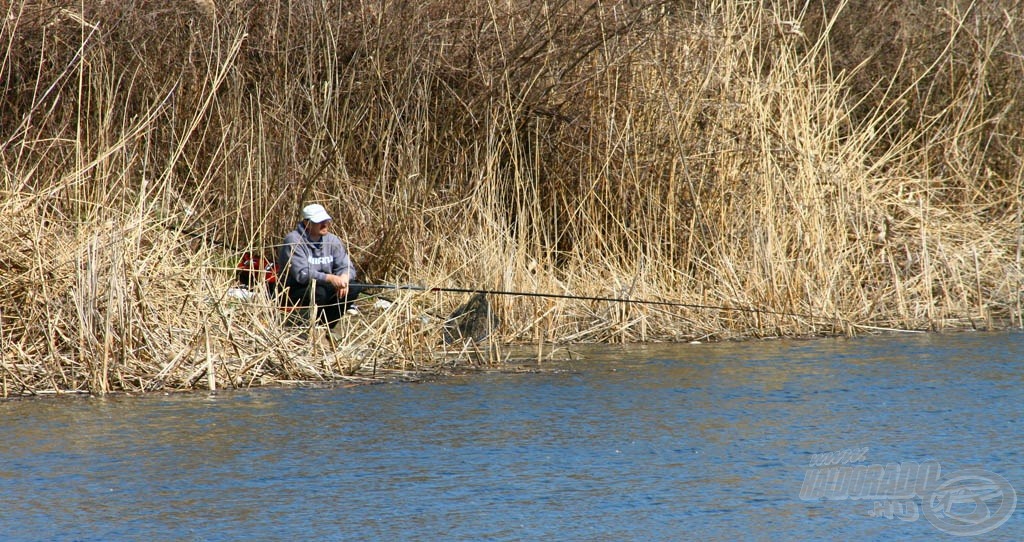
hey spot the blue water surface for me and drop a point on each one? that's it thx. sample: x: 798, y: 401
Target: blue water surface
x: 650, y: 442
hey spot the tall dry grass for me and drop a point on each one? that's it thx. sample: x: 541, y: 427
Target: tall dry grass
x: 858, y: 164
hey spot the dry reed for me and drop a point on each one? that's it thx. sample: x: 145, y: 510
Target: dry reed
x: 776, y: 155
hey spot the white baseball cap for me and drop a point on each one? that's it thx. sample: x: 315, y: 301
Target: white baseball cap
x: 315, y: 213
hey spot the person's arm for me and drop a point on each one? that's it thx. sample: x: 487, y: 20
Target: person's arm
x: 342, y: 270
x: 343, y: 262
x: 295, y: 254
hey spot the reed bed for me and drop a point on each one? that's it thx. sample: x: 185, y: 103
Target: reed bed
x: 805, y: 170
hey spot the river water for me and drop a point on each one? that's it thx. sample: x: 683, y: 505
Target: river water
x: 654, y: 442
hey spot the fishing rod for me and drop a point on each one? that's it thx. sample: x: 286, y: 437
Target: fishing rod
x: 418, y: 288
x: 414, y: 287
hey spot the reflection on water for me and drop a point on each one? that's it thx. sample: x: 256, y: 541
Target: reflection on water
x: 654, y: 442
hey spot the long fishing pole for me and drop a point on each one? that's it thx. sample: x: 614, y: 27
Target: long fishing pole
x: 414, y: 287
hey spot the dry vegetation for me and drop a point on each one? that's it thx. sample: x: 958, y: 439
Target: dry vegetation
x: 856, y: 161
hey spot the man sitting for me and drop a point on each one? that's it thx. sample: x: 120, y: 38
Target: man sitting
x: 309, y: 255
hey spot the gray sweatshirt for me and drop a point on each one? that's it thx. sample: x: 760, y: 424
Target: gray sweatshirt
x: 305, y: 259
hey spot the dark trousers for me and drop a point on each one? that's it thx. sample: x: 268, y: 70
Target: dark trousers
x: 329, y: 307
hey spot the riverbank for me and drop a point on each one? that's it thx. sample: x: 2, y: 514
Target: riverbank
x: 363, y: 350
x: 744, y: 158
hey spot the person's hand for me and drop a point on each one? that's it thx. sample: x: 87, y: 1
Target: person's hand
x: 340, y: 283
